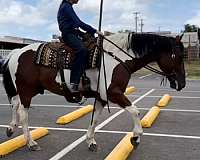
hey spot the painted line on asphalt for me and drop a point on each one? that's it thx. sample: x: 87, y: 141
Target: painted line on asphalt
x: 142, y: 77
x: 67, y: 149
x: 138, y: 88
x: 169, y: 89
x: 154, y: 134
x: 115, y: 132
x: 178, y: 97
x: 145, y: 109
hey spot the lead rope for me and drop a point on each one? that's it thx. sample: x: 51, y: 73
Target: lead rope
x: 104, y: 70
x: 98, y: 80
x: 101, y: 49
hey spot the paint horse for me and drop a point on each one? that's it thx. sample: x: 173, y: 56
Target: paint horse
x: 24, y: 79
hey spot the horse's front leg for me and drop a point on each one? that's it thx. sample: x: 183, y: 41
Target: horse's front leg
x: 137, y: 127
x: 23, y: 117
x: 116, y: 95
x: 92, y: 145
x: 15, y: 101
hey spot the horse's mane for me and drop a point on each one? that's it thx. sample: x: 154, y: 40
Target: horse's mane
x: 141, y: 44
x: 149, y: 44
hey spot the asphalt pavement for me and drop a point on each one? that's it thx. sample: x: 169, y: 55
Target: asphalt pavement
x: 175, y: 135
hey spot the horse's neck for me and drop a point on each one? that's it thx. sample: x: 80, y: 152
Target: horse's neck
x: 121, y: 40
x: 137, y: 64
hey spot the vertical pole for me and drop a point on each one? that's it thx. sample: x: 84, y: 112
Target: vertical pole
x: 99, y: 70
x: 189, y: 51
x: 136, y: 20
x: 141, y: 25
x: 100, y: 15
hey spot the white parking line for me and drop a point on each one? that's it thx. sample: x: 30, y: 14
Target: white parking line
x: 79, y: 106
x: 180, y: 97
x: 142, y: 77
x: 67, y: 149
x: 145, y: 109
x: 116, y: 132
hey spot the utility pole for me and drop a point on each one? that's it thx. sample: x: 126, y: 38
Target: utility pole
x: 136, y: 20
x: 141, y: 25
x: 159, y: 29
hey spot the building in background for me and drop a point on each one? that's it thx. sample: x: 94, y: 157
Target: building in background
x: 191, y: 44
x: 8, y: 43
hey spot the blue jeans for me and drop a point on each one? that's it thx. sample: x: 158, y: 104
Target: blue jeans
x: 79, y: 62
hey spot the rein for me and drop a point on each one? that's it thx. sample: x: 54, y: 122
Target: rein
x: 148, y: 67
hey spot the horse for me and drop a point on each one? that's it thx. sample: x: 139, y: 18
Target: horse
x: 23, y: 79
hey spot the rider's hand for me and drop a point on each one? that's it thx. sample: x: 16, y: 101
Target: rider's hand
x: 99, y: 33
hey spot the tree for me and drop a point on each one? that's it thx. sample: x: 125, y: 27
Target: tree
x: 191, y: 28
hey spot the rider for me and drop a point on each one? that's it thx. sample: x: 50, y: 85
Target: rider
x: 68, y: 23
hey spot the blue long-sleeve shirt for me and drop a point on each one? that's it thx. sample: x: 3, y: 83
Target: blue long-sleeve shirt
x: 68, y: 20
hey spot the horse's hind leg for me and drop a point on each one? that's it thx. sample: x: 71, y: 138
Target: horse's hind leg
x: 92, y: 145
x: 15, y: 102
x: 137, y: 128
x: 23, y: 114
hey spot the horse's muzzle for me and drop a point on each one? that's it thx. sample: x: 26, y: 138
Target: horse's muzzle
x: 178, y: 85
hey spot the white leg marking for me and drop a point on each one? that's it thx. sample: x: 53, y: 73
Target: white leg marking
x: 91, y: 129
x: 137, y: 127
x: 23, y: 114
x: 15, y: 101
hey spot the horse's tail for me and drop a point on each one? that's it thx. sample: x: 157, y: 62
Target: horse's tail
x: 7, y: 79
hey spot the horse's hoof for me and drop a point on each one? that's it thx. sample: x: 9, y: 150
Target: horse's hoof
x: 9, y: 132
x: 93, y: 147
x: 135, y: 141
x: 34, y: 148
x: 83, y: 100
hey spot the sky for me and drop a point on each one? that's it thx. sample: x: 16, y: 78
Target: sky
x: 36, y: 19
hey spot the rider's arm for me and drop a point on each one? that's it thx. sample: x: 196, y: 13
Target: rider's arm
x: 77, y: 22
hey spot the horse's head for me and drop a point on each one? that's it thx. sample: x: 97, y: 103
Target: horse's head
x: 172, y: 64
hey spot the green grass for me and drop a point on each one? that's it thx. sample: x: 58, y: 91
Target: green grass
x: 193, y: 69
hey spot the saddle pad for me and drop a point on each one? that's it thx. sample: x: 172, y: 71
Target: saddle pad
x: 47, y: 55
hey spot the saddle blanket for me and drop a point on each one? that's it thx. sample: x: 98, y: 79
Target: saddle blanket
x: 56, y: 54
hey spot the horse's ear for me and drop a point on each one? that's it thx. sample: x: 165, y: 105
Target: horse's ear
x: 179, y: 37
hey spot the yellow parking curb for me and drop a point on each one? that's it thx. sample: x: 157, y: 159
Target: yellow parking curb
x: 83, y: 111
x: 129, y: 90
x: 150, y: 117
x: 122, y: 150
x: 74, y: 115
x: 15, y: 143
x: 164, y: 100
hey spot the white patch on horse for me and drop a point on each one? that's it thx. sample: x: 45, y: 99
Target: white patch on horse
x: 123, y: 41
x: 14, y: 57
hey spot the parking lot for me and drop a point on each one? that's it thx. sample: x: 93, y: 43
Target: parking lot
x: 174, y: 135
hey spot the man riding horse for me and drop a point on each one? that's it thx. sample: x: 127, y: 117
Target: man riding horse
x: 69, y: 23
